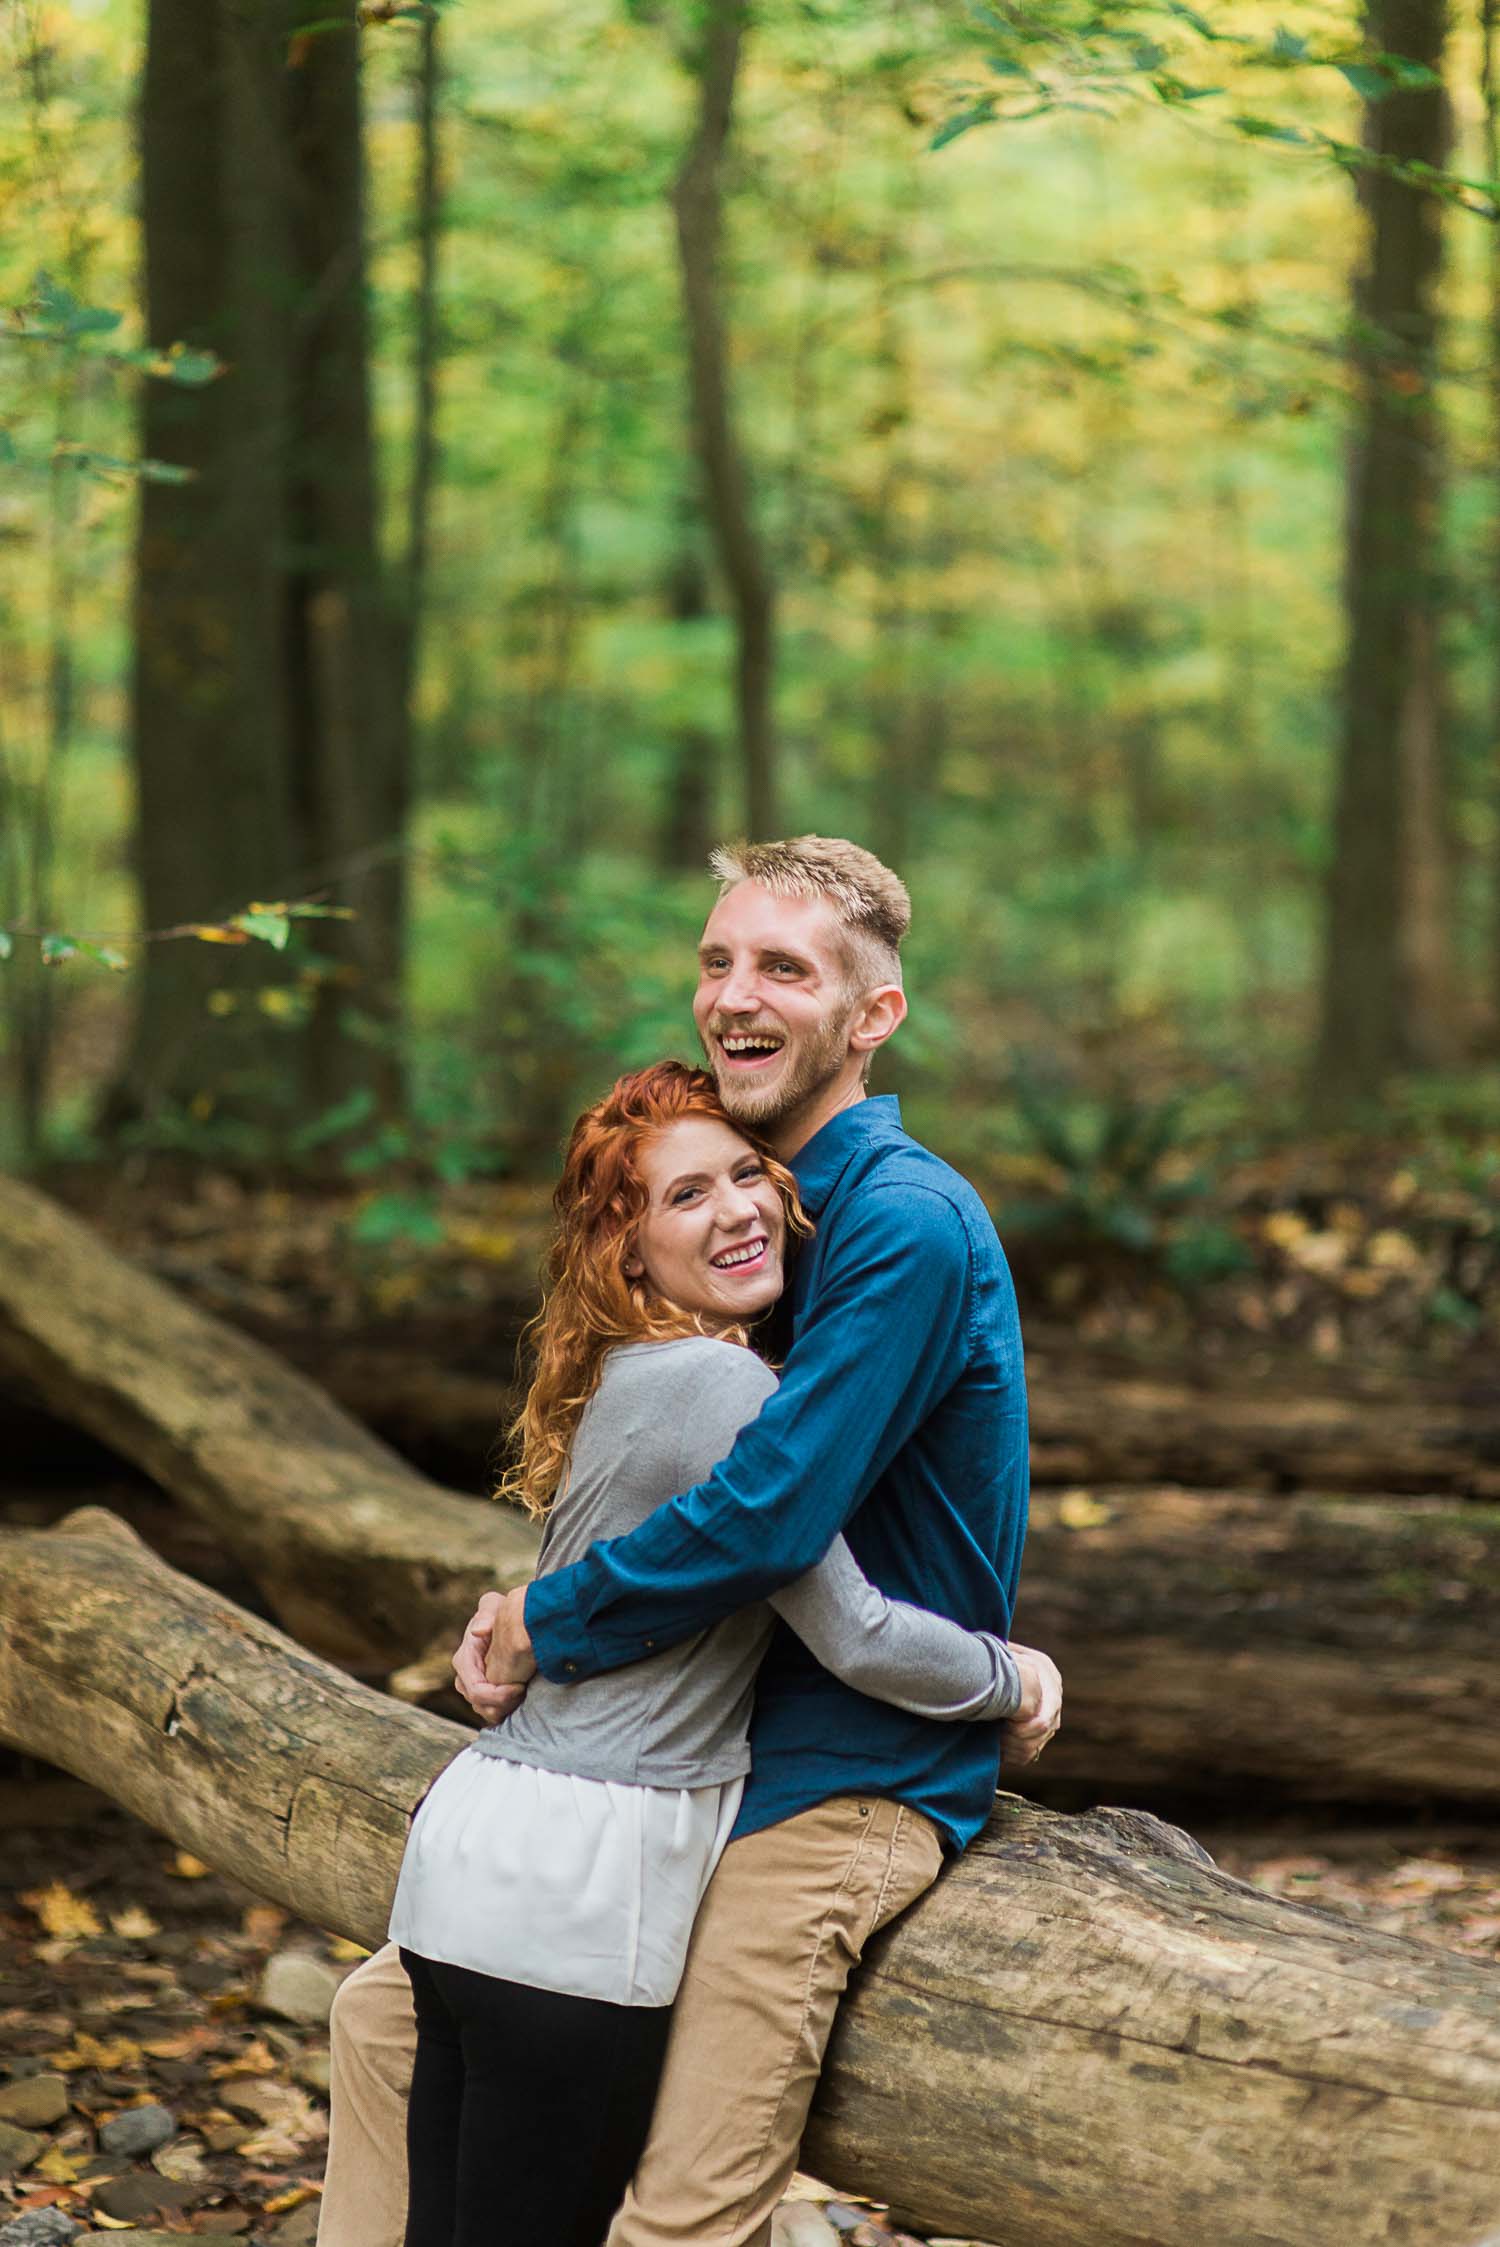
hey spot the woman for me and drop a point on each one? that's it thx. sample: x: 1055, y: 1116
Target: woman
x: 553, y: 1872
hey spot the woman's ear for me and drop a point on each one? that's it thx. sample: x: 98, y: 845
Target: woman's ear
x: 633, y: 1268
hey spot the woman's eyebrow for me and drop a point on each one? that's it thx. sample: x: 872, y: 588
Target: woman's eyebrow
x: 688, y: 1178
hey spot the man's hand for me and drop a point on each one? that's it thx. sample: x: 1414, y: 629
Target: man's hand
x: 510, y: 1660
x: 492, y: 1695
x: 1040, y: 1713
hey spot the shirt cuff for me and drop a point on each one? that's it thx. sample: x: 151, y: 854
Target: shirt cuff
x: 559, y: 1636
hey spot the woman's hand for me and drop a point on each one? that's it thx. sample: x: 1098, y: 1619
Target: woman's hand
x: 491, y: 1693
x: 1040, y: 1715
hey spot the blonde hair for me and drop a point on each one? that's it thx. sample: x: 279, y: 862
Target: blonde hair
x: 871, y: 902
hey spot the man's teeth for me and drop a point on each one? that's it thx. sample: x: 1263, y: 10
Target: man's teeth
x: 751, y: 1045
x: 733, y: 1256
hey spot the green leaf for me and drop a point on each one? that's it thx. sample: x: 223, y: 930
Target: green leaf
x: 1287, y: 46
x: 1200, y: 24
x: 345, y: 1115
x: 271, y: 928
x: 1264, y: 128
x: 982, y: 113
x: 161, y: 471
x: 398, y: 1217
x: 107, y: 955
x: 56, y: 949
x: 7, y: 944
x: 191, y: 369
x: 1369, y: 83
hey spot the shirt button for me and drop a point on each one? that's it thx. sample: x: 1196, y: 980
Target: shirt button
x: 650, y: 1645
x: 571, y: 1668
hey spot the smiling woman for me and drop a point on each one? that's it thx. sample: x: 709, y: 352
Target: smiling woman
x: 713, y: 1237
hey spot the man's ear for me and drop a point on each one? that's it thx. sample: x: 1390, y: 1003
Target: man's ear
x: 878, y: 1016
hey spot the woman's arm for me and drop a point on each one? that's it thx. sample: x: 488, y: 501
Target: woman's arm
x: 893, y: 1651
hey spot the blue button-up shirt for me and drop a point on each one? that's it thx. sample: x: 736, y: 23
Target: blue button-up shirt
x: 901, y: 1419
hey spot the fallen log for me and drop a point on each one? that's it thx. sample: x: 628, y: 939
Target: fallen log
x: 1355, y: 1642
x: 1332, y: 1650
x: 1290, y: 1430
x: 1091, y: 1421
x: 1086, y: 2036
x: 357, y: 1553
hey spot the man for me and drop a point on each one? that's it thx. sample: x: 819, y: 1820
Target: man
x: 900, y: 1417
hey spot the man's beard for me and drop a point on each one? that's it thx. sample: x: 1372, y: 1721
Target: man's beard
x: 818, y: 1060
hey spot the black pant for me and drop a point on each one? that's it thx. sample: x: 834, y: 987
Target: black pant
x: 528, y: 2109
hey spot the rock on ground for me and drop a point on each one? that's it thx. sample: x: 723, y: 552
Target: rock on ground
x: 34, y: 2101
x: 138, y: 2130
x: 39, y: 2227
x: 300, y: 1987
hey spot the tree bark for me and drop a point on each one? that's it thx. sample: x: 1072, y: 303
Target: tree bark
x: 697, y: 203
x: 269, y: 727
x: 1312, y: 1649
x: 1085, y: 2036
x: 357, y: 1553
x: 208, y: 715
x: 687, y: 825
x: 1387, y: 997
x: 1489, y: 90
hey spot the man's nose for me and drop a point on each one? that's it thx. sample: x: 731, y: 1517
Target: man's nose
x: 739, y: 992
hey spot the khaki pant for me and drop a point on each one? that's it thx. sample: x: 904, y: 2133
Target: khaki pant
x: 785, y: 1919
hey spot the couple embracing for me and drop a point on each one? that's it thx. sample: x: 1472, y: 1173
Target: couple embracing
x: 761, y: 1683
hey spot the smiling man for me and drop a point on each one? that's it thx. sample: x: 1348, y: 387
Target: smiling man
x: 900, y: 1418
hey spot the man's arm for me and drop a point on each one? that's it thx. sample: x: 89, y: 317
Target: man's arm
x: 882, y: 1344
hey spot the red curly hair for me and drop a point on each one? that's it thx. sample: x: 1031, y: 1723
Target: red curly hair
x: 590, y: 1303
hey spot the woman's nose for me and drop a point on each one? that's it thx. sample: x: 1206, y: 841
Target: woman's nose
x: 737, y: 1209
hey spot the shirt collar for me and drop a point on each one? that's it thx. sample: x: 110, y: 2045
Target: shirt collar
x: 818, y: 1166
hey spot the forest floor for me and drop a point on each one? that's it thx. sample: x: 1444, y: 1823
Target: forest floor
x: 146, y: 2003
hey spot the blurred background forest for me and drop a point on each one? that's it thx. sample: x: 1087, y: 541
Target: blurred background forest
x: 458, y: 465
x: 459, y: 461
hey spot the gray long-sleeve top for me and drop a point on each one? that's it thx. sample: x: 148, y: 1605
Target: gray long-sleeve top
x: 662, y: 1417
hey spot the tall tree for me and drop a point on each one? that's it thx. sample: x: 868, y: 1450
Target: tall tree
x: 268, y: 714
x: 1387, y: 998
x: 1489, y: 68
x: 698, y: 206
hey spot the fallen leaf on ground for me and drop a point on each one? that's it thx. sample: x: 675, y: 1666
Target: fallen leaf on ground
x: 61, y: 1912
x: 133, y: 1924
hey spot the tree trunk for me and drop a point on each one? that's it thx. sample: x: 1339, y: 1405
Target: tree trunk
x: 268, y: 722
x: 1312, y: 1649
x: 1085, y: 2036
x: 1489, y: 70
x: 1387, y: 984
x: 356, y: 1552
x: 208, y: 717
x: 697, y: 203
x: 687, y: 827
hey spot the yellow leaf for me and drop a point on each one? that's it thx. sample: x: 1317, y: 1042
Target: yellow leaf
x: 133, y: 1924
x: 345, y: 1952
x: 110, y: 2223
x: 256, y: 2059
x: 189, y: 1868
x: 55, y: 2166
x: 262, y: 1923
x: 61, y: 1912
x: 291, y: 2199
x: 108, y: 2052
x: 1079, y: 1509
x: 211, y: 935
